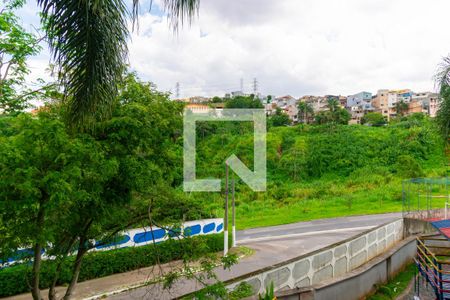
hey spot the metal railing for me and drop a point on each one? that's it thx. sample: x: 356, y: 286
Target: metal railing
x: 433, y: 270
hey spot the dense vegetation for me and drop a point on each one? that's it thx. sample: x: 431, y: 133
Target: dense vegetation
x: 60, y: 189
x: 14, y: 280
x: 322, y: 171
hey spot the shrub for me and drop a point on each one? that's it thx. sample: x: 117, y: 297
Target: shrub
x: 15, y: 280
x: 408, y: 167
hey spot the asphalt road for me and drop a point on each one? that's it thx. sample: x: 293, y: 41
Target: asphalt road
x: 272, y: 245
x: 313, y: 227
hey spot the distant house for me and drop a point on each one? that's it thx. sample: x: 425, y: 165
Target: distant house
x: 318, y: 103
x: 292, y: 112
x: 270, y: 108
x: 363, y: 99
x: 198, y: 108
x: 342, y: 101
x: 287, y: 104
x: 434, y: 106
x: 285, y: 101
x: 429, y: 102
x: 238, y: 93
x: 194, y: 99
x: 380, y: 102
x: 358, y: 105
x: 415, y: 106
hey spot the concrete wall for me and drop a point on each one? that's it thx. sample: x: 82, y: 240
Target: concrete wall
x: 361, y: 281
x: 330, y: 262
x: 143, y: 236
x: 416, y: 226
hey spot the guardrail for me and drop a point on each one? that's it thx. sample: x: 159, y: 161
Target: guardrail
x: 435, y: 271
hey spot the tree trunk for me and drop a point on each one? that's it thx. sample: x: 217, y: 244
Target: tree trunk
x: 82, y: 249
x: 52, y: 290
x: 35, y: 291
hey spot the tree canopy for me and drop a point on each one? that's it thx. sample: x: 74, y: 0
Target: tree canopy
x: 280, y: 118
x: 373, y: 119
x: 243, y: 102
x: 16, y: 46
x: 59, y: 190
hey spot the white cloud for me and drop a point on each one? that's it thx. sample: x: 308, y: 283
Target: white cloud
x: 295, y: 46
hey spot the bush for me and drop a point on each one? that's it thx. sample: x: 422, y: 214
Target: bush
x: 408, y: 167
x: 15, y: 280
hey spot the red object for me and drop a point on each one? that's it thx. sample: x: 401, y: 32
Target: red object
x: 445, y: 231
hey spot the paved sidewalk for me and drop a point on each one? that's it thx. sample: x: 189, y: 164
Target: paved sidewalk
x: 108, y: 284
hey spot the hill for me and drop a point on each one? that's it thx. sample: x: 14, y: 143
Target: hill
x: 321, y: 171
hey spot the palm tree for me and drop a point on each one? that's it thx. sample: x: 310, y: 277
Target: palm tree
x: 305, y: 110
x: 332, y: 104
x: 443, y: 82
x: 401, y: 107
x: 88, y: 41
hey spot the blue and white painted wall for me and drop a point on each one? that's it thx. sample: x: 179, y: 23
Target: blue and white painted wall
x: 139, y: 237
x: 146, y: 235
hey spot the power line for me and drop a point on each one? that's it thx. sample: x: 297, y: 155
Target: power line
x: 218, y: 87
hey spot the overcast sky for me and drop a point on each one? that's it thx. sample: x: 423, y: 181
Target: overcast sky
x: 296, y: 47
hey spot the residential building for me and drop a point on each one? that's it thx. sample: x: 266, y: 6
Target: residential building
x: 404, y: 95
x: 287, y: 104
x: 292, y: 112
x: 317, y: 103
x: 342, y: 101
x: 237, y: 93
x: 270, y: 108
x: 434, y: 106
x: 358, y: 105
x: 362, y: 99
x: 194, y: 99
x: 285, y: 101
x: 380, y: 102
x: 356, y: 113
x: 429, y: 102
x: 198, y: 108
x: 386, y: 101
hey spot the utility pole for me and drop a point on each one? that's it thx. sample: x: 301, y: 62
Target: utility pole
x: 242, y: 85
x: 225, y: 219
x: 255, y: 86
x: 177, y: 90
x: 233, y: 216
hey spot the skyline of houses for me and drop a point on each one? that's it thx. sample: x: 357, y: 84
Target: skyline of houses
x: 385, y: 101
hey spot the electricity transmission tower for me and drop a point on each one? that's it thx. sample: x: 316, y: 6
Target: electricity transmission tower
x: 177, y: 90
x: 255, y: 86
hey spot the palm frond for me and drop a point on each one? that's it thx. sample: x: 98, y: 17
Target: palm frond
x: 442, y: 77
x: 178, y: 11
x: 443, y: 113
x: 181, y: 11
x: 88, y: 40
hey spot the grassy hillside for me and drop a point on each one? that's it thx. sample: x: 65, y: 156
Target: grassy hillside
x: 321, y: 171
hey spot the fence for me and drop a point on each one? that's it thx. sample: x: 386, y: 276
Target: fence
x: 434, y: 269
x: 425, y: 198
